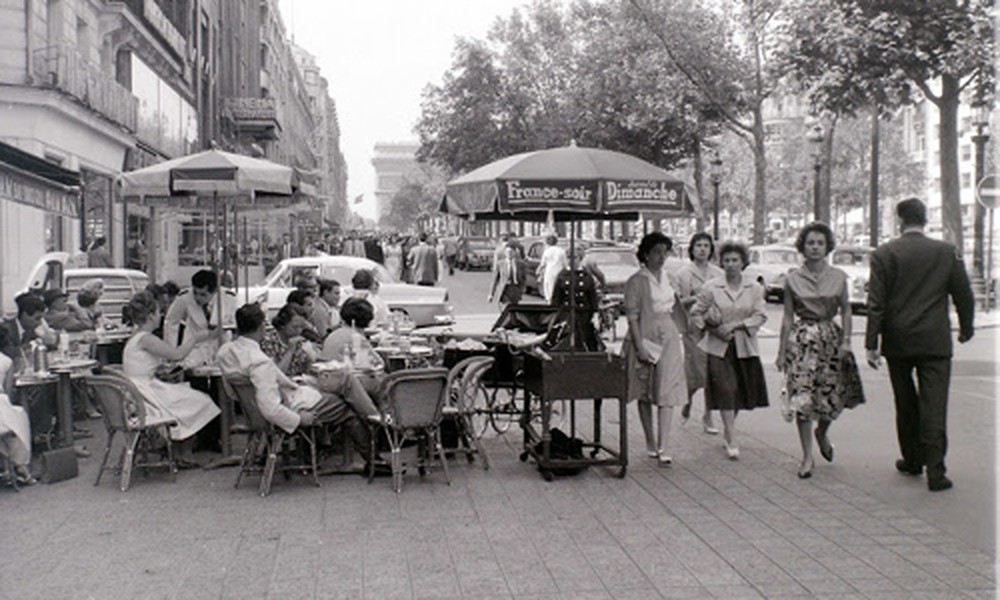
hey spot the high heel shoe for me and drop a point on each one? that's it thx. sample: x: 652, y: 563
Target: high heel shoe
x: 709, y: 428
x: 807, y: 473
x: 825, y: 447
x: 732, y: 452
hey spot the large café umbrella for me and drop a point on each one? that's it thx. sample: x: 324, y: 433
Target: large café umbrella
x: 204, y: 179
x: 570, y: 183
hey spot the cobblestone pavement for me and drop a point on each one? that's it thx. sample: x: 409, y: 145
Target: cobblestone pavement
x: 706, y: 528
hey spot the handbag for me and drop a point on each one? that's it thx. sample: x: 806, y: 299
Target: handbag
x: 849, y: 383
x: 170, y: 373
x: 59, y: 464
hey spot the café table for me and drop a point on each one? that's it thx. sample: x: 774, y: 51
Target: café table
x: 109, y: 347
x: 61, y: 372
x: 405, y: 356
x: 211, y: 375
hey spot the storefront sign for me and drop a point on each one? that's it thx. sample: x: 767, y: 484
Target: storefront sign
x: 28, y: 193
x: 159, y: 21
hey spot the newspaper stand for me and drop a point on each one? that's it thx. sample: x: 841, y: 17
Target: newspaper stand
x: 575, y: 377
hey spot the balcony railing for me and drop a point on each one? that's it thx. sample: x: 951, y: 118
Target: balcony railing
x: 61, y: 67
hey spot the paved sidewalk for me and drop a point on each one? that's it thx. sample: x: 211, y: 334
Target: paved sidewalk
x: 707, y: 528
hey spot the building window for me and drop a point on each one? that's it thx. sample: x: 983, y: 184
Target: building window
x: 966, y: 180
x: 966, y: 152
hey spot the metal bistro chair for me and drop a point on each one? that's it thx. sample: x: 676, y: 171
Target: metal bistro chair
x: 124, y: 411
x: 266, y: 440
x: 414, y: 407
x: 468, y: 405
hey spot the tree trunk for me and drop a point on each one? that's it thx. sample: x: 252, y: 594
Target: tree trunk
x: 760, y: 177
x: 951, y: 198
x: 699, y: 186
x: 874, y: 216
x: 824, y: 215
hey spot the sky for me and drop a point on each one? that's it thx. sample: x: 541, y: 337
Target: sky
x: 378, y: 56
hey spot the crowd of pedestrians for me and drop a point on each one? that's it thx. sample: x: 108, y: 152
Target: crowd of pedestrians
x: 720, y: 312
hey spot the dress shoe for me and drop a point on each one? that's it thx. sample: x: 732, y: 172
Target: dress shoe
x: 807, y: 473
x: 940, y: 484
x: 665, y: 461
x: 686, y: 413
x: 825, y: 447
x: 732, y: 452
x: 906, y: 469
x: 709, y: 428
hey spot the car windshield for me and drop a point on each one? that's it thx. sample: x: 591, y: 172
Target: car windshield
x: 480, y: 244
x: 850, y: 258
x: 779, y: 257
x: 624, y: 258
x: 284, y: 276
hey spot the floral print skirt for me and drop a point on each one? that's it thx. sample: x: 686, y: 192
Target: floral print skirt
x: 813, y: 372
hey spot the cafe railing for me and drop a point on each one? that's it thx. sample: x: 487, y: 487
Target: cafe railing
x: 63, y: 68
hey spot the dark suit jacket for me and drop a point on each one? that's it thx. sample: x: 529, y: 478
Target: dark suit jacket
x: 911, y: 279
x: 11, y: 340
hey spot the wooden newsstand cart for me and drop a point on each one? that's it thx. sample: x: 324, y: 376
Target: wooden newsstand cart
x: 575, y: 377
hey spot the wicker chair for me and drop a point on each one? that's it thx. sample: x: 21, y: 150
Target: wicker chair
x: 124, y: 411
x: 270, y: 442
x: 414, y: 405
x: 467, y: 402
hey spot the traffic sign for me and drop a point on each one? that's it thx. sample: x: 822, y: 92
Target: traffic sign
x: 988, y: 192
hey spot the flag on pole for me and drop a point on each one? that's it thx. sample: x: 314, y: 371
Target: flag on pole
x: 359, y: 198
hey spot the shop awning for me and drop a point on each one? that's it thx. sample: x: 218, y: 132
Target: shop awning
x: 38, y: 167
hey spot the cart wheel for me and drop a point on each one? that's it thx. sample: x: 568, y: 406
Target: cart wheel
x: 501, y: 414
x: 482, y: 406
x: 547, y: 475
x: 524, y: 457
x: 621, y: 472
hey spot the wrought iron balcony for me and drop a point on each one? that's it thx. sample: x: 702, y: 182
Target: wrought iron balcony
x: 63, y: 68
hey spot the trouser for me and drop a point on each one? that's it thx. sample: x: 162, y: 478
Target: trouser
x: 921, y: 410
x: 450, y: 261
x: 335, y: 411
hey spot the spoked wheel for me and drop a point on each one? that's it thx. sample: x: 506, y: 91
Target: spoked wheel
x: 480, y: 414
x: 503, y: 412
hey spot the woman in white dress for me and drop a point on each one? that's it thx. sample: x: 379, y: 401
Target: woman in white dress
x: 15, y: 431
x: 144, y: 353
x: 552, y: 263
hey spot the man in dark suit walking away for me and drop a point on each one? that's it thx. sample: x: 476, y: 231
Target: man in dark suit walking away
x: 911, y: 279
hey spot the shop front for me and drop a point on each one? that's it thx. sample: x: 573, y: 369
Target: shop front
x: 39, y: 213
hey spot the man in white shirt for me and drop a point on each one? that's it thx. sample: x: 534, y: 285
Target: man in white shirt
x: 285, y: 403
x: 325, y: 313
x: 192, y: 313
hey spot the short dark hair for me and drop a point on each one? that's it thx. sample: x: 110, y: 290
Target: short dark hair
x: 298, y: 297
x: 737, y: 247
x: 358, y: 312
x: 701, y: 235
x: 86, y: 299
x: 363, y: 279
x: 50, y: 296
x: 423, y: 236
x: 816, y: 227
x: 100, y: 241
x: 205, y: 279
x: 284, y: 317
x: 325, y: 285
x: 249, y: 318
x: 170, y: 288
x: 29, y: 303
x: 912, y: 211
x: 650, y: 241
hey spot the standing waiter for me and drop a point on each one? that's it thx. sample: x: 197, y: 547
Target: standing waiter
x: 911, y: 279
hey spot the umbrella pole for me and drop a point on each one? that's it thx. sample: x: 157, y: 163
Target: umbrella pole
x: 215, y: 259
x: 246, y: 267
x: 572, y: 286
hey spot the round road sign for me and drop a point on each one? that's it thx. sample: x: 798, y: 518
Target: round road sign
x: 988, y: 192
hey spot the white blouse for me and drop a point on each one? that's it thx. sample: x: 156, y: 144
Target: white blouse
x: 661, y: 291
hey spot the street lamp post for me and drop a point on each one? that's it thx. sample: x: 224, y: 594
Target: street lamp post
x: 715, y: 175
x: 981, y: 120
x: 815, y: 136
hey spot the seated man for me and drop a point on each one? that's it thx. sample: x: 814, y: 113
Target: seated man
x: 325, y: 314
x: 282, y: 401
x: 58, y: 314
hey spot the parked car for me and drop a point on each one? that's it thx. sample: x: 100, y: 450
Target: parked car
x: 425, y: 306
x: 475, y: 253
x: 616, y: 264
x: 69, y: 273
x: 769, y: 266
x: 854, y: 260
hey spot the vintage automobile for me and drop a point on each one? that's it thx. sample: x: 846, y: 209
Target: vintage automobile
x: 475, y: 253
x: 60, y: 270
x: 425, y: 306
x: 534, y: 247
x: 615, y: 263
x: 854, y: 260
x: 769, y: 265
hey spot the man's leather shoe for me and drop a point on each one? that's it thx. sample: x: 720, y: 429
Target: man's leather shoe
x: 939, y: 485
x: 907, y: 469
